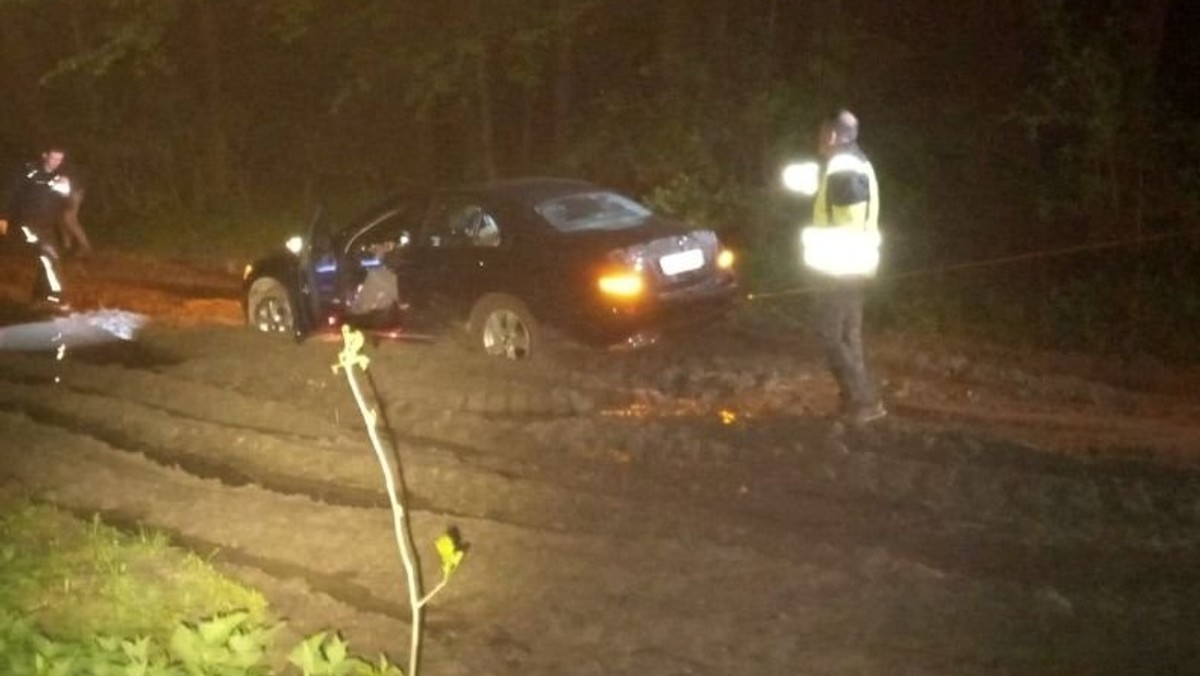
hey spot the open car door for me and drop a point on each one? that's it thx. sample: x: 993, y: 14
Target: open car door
x: 374, y: 288
x: 316, y: 253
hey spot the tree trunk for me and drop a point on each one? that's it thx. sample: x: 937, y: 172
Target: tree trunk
x: 24, y: 102
x: 564, y: 46
x: 487, y: 132
x: 215, y: 174
x: 91, y: 99
x: 829, y: 39
x: 674, y: 37
x: 1147, y: 29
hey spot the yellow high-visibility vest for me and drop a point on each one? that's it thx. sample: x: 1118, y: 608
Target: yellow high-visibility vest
x: 844, y: 239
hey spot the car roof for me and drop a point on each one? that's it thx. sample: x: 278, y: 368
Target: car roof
x: 532, y: 190
x: 526, y: 192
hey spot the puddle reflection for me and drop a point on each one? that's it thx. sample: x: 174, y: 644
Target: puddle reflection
x: 77, y: 334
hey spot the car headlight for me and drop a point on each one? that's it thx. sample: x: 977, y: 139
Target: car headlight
x: 295, y: 244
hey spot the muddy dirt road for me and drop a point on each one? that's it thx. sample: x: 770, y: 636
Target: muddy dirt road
x: 683, y: 509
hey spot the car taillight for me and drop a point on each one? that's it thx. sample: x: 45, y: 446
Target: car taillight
x: 627, y: 284
x: 725, y: 259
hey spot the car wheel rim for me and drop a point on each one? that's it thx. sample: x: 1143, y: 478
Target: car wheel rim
x: 273, y: 316
x: 505, y: 334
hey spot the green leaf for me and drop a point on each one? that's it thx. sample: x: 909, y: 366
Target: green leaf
x: 247, y: 648
x: 186, y: 645
x: 386, y: 668
x: 216, y: 631
x: 450, y: 550
x: 335, y: 651
x: 351, y: 354
x: 246, y: 643
x: 137, y: 650
x: 307, y: 655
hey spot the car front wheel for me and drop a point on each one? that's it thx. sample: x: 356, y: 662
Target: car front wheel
x: 503, y: 327
x: 268, y: 307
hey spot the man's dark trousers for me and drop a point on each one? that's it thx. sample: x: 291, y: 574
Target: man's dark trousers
x: 838, y: 319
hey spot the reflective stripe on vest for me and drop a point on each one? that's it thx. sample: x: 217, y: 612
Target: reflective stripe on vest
x: 844, y: 240
x: 841, y: 251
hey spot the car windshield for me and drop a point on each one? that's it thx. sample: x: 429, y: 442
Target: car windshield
x: 592, y: 211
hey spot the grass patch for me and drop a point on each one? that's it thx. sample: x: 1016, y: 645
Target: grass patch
x: 82, y: 598
x: 76, y: 579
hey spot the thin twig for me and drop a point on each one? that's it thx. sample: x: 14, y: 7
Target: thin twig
x: 349, y: 360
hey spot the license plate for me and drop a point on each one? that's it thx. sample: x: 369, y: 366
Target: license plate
x: 684, y: 261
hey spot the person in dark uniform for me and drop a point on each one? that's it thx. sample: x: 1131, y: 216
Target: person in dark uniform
x: 37, y: 201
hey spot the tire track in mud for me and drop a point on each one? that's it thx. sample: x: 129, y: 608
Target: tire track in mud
x: 645, y: 576
x: 966, y: 475
x: 873, y: 516
x: 348, y: 477
x: 342, y: 473
x: 902, y: 466
x: 837, y: 485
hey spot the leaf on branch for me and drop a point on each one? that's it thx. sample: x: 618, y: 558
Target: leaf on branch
x: 351, y: 354
x: 451, y: 551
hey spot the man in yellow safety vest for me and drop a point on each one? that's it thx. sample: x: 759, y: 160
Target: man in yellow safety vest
x: 842, y: 248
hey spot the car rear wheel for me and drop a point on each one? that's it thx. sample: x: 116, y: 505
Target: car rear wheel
x: 502, y: 326
x: 268, y: 307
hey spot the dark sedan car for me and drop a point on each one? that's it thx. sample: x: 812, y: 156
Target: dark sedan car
x: 502, y: 260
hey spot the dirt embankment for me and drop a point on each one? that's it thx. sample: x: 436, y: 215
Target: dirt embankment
x: 679, y: 510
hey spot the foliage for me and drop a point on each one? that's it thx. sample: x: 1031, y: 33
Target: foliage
x: 224, y: 645
x: 318, y: 93
x: 326, y: 654
x: 1105, y: 136
x: 85, y: 579
x: 1128, y: 302
x: 82, y: 599
x: 1077, y: 108
x: 384, y: 92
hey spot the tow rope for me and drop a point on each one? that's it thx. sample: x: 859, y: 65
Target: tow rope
x: 992, y: 262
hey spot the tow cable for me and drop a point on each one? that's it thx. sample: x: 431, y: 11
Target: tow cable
x: 971, y: 265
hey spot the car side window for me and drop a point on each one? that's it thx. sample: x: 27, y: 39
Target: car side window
x: 458, y: 224
x: 388, y: 231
